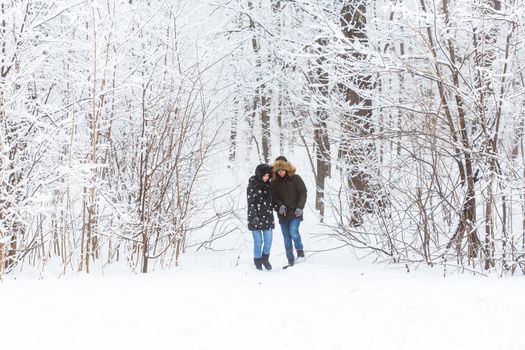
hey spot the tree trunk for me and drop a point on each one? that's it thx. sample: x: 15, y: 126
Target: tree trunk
x: 2, y: 259
x: 320, y: 84
x: 355, y: 148
x: 261, y: 98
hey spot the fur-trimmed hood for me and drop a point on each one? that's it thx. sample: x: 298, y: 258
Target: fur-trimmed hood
x: 281, y: 164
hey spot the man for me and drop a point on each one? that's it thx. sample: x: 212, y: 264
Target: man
x: 289, y: 193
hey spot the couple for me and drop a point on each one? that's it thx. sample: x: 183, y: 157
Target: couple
x: 280, y: 189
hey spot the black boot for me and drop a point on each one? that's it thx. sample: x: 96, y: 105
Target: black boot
x: 265, y: 261
x: 291, y: 262
x: 258, y: 263
x: 300, y: 253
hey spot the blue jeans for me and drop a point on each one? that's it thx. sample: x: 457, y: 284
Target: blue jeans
x: 258, y: 237
x: 291, y: 233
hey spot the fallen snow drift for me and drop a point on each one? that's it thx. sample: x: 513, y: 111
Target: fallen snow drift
x: 210, y: 304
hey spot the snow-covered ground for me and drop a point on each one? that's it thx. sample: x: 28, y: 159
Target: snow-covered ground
x: 217, y: 301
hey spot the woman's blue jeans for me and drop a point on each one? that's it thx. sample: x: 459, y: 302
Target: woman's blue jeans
x: 290, y: 231
x: 261, y: 237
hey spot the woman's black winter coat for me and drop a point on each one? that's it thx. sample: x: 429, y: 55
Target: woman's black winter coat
x: 260, y: 205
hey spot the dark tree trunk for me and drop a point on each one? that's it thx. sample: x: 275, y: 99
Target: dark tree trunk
x: 355, y: 148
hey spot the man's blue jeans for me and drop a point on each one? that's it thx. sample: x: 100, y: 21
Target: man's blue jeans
x: 260, y: 237
x: 290, y: 231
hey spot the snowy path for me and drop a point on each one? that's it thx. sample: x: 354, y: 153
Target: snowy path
x: 313, y: 305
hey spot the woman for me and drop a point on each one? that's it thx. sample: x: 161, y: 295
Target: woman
x: 260, y: 215
x: 289, y: 194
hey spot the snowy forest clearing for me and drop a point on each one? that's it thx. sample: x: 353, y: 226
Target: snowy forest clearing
x: 129, y: 130
x: 318, y: 304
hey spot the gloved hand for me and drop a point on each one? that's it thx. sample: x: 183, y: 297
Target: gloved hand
x: 256, y: 221
x: 298, y: 212
x: 282, y: 210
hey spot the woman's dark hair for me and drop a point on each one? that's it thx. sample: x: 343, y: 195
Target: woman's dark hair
x: 263, y: 169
